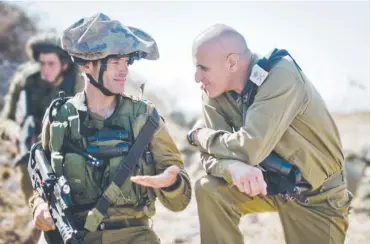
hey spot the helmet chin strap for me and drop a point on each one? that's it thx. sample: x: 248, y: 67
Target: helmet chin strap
x: 99, y: 85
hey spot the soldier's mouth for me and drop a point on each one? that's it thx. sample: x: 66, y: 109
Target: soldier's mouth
x: 119, y: 80
x: 204, y: 86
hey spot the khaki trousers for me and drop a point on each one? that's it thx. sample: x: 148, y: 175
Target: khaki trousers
x: 324, y: 220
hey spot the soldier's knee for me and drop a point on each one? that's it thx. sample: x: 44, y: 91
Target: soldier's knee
x: 207, y: 186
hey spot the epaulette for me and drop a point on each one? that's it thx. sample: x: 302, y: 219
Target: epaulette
x: 131, y: 97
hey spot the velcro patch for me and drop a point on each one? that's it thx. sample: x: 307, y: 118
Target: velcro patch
x: 258, y: 75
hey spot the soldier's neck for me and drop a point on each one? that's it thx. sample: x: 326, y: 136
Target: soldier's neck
x: 98, y: 103
x: 238, y: 81
x: 239, y: 85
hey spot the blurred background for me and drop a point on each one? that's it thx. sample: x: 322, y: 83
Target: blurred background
x: 330, y: 40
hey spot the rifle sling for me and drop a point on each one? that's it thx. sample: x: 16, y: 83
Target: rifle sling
x: 127, y: 164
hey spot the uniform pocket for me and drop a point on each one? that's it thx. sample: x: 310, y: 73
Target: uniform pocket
x: 128, y: 195
x: 341, y: 201
x: 75, y: 172
x: 333, y: 203
x: 57, y: 163
x: 83, y: 190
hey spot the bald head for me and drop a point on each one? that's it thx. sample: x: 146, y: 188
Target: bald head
x: 222, y: 58
x: 222, y: 38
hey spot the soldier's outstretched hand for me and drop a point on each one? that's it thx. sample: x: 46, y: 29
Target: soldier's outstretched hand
x: 166, y: 179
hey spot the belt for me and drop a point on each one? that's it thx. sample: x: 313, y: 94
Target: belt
x: 333, y: 181
x: 114, y: 225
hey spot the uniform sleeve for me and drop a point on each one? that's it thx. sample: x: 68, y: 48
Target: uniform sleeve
x: 35, y: 201
x: 166, y: 154
x: 217, y: 167
x: 214, y: 119
x: 12, y: 97
x: 8, y: 113
x: 278, y: 101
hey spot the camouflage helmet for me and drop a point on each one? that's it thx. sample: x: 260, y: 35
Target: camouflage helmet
x: 48, y: 42
x: 98, y: 37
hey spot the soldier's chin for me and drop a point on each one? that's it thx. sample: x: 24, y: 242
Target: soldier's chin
x: 119, y: 88
x: 48, y: 79
x: 211, y: 94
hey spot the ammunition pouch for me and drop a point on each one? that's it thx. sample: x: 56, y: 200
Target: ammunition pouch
x: 106, y: 152
x: 108, y: 135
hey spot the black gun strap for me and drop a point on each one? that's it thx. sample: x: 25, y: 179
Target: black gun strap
x: 127, y: 165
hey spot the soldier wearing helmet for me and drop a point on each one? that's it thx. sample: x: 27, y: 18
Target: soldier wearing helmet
x: 33, y: 86
x: 98, y: 122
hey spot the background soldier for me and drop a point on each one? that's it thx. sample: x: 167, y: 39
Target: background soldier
x: 32, y: 88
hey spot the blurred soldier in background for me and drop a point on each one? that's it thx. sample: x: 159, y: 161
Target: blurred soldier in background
x: 31, y: 89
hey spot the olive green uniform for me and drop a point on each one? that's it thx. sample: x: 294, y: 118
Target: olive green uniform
x: 39, y: 96
x: 287, y: 116
x: 135, y: 204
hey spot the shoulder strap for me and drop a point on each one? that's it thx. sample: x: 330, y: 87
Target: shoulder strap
x: 258, y: 75
x: 125, y: 167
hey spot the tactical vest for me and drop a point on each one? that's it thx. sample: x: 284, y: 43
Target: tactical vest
x: 108, y: 142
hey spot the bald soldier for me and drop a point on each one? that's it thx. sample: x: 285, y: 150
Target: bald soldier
x: 255, y: 109
x: 136, y: 162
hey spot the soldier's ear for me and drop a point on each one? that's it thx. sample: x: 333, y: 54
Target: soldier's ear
x: 64, y: 67
x: 232, y: 62
x: 87, y: 68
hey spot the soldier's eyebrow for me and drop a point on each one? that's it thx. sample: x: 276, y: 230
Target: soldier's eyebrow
x: 117, y: 59
x: 203, y: 67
